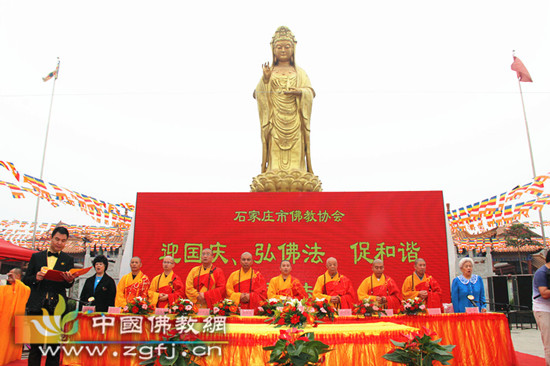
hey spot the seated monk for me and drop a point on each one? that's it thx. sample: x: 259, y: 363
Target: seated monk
x: 246, y: 287
x: 380, y: 288
x: 132, y: 285
x: 335, y: 287
x: 284, y: 285
x: 419, y: 284
x: 166, y: 288
x: 205, y: 284
x: 13, y: 298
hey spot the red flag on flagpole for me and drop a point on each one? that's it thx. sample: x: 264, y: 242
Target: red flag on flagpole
x: 521, y: 70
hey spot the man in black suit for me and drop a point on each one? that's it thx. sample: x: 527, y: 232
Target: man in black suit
x: 100, y: 286
x: 45, y: 293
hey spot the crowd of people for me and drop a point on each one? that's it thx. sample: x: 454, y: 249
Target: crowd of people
x: 206, y: 284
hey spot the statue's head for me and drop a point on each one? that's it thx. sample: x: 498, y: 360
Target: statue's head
x: 283, y: 45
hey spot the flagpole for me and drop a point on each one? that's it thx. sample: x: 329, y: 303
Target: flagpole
x: 44, y: 156
x: 532, y: 159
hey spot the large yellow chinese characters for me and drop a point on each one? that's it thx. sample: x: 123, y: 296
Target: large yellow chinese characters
x: 285, y: 97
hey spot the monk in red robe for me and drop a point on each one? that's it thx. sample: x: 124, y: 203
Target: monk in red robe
x: 335, y: 287
x: 419, y: 284
x: 132, y: 285
x: 285, y: 285
x: 380, y: 288
x: 205, y: 284
x: 13, y: 298
x: 246, y: 287
x: 166, y: 288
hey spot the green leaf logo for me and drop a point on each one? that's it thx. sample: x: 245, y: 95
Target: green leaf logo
x: 55, y: 325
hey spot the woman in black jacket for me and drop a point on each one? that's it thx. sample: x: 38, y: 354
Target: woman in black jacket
x: 100, y: 286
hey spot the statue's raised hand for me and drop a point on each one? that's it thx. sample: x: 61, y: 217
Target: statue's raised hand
x: 267, y: 72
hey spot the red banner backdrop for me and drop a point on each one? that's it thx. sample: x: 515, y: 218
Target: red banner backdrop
x: 305, y: 228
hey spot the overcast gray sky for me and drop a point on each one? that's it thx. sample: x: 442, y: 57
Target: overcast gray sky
x: 157, y: 96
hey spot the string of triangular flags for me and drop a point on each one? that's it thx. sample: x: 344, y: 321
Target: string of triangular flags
x: 101, y: 211
x: 95, y: 237
x: 502, y: 209
x: 495, y: 244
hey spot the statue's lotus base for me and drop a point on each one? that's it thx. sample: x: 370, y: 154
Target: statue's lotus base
x: 283, y: 181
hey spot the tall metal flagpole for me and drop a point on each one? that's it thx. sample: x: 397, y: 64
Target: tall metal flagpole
x: 44, y: 156
x: 531, y: 154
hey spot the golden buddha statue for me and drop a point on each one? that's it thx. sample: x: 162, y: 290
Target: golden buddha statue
x: 285, y: 97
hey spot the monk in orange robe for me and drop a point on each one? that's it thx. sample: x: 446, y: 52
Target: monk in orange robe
x: 335, y: 287
x: 284, y: 285
x: 419, y: 284
x: 380, y: 288
x: 246, y: 287
x: 13, y: 298
x: 132, y: 285
x: 166, y: 288
x: 205, y: 284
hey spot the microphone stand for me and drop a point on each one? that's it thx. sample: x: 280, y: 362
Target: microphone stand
x: 507, y: 308
x: 84, y: 303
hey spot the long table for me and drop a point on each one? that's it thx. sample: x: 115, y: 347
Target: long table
x: 480, y: 339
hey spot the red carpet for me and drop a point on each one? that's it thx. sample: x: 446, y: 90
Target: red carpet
x: 529, y: 360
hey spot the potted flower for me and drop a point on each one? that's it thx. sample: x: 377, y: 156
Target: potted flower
x: 226, y: 307
x: 413, y: 306
x: 139, y: 306
x: 297, y: 348
x: 183, y: 307
x: 419, y: 349
x: 368, y: 307
x: 294, y: 313
x: 323, y: 309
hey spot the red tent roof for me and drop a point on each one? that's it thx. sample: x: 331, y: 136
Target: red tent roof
x: 11, y: 252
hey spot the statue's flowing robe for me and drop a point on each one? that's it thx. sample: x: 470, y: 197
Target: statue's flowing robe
x: 285, y: 122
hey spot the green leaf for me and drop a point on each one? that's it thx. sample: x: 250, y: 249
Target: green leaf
x: 73, y: 330
x: 165, y: 361
x: 150, y: 361
x: 275, y: 355
x: 398, y: 356
x: 69, y: 318
x: 60, y: 307
x: 397, y: 344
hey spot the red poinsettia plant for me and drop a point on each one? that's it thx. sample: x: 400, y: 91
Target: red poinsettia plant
x: 413, y: 306
x: 268, y: 307
x: 368, y: 307
x: 297, y: 348
x: 183, y: 307
x: 323, y: 309
x: 226, y: 307
x: 139, y: 306
x: 420, y: 349
x: 294, y: 313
